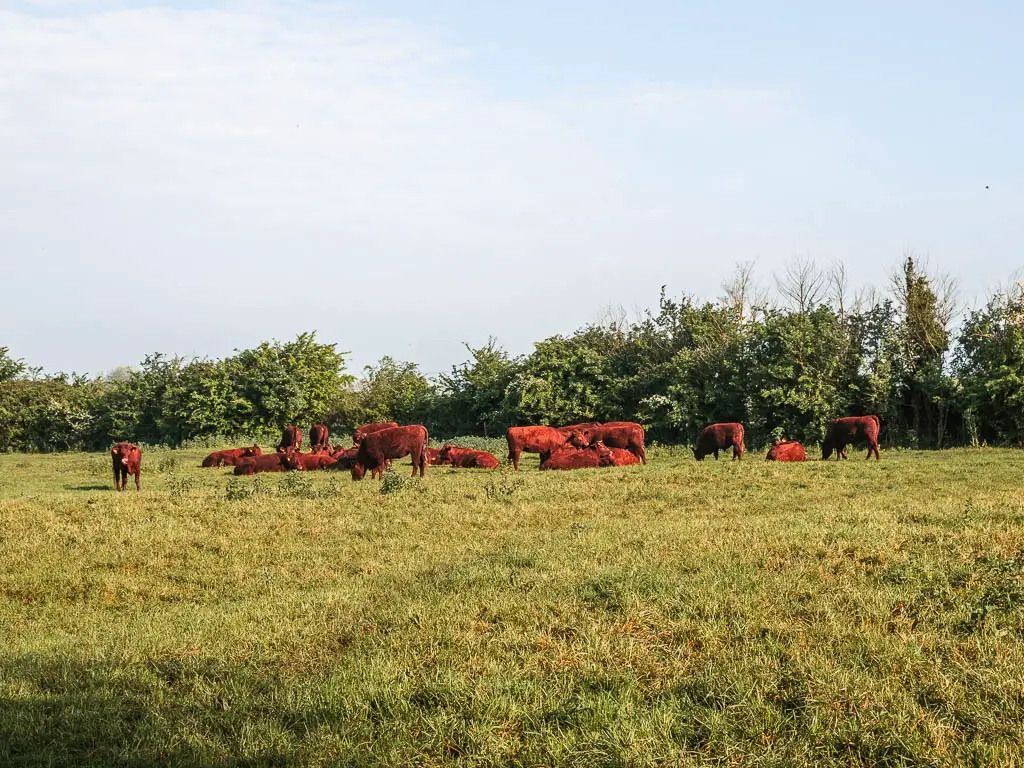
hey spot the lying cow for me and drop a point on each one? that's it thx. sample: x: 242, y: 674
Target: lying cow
x: 378, y: 447
x: 434, y: 457
x: 344, y: 458
x: 849, y: 430
x: 318, y: 439
x: 369, y: 429
x: 127, y: 460
x: 291, y: 439
x: 574, y: 457
x: 624, y: 435
x: 285, y: 461
x: 719, y: 437
x: 542, y: 440
x: 618, y: 457
x: 230, y: 456
x: 467, y: 458
x: 786, y: 450
x: 312, y: 461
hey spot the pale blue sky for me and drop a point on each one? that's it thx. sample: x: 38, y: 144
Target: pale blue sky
x: 406, y: 176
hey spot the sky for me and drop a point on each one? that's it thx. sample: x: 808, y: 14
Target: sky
x: 405, y: 177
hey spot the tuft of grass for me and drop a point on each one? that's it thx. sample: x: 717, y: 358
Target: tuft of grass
x: 718, y: 613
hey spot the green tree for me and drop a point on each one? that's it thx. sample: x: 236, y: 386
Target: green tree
x: 472, y: 398
x: 10, y: 368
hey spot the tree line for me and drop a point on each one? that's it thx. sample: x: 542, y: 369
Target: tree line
x: 782, y: 363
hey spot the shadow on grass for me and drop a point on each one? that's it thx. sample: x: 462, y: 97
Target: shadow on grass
x: 88, y: 487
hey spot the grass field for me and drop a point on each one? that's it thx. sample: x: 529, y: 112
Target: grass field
x: 680, y: 613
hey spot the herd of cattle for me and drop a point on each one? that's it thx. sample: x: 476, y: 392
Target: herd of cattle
x: 576, y: 446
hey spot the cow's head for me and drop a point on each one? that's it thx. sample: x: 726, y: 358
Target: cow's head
x: 253, y: 450
x: 826, y: 449
x: 578, y: 438
x: 358, y: 471
x: 698, y: 452
x: 290, y: 460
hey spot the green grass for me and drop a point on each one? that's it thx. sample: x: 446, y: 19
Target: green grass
x: 680, y: 613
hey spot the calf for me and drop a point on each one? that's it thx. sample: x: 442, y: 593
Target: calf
x: 291, y: 439
x: 618, y: 457
x: 542, y: 440
x: 127, y: 460
x: 230, y: 456
x: 393, y: 443
x: 848, y: 430
x: 274, y: 462
x: 318, y: 439
x: 467, y: 458
x: 786, y: 450
x: 369, y: 429
x: 719, y: 437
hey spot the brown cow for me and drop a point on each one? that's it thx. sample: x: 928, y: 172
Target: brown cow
x: 369, y: 429
x: 311, y: 461
x: 542, y: 440
x: 719, y: 437
x: 230, y: 456
x: 344, y: 458
x: 291, y: 439
x: 621, y: 434
x: 467, y: 458
x: 127, y: 460
x: 848, y: 430
x: 434, y: 457
x: 582, y: 427
x: 392, y: 443
x: 786, y: 450
x: 318, y: 439
x: 574, y: 457
x: 274, y: 462
x: 618, y: 457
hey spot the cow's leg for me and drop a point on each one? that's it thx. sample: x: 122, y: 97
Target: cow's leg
x: 117, y: 479
x: 513, y: 456
x: 138, y: 474
x: 716, y: 454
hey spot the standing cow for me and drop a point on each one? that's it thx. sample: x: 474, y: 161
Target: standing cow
x: 378, y: 447
x: 291, y: 439
x: 542, y: 440
x: 127, y: 460
x: 849, y: 430
x: 318, y: 439
x: 719, y: 437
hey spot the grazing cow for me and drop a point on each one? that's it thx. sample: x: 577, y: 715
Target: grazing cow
x: 291, y: 439
x: 392, y: 443
x: 573, y: 457
x: 369, y: 429
x: 542, y: 440
x: 467, y: 458
x: 849, y: 430
x: 318, y: 436
x: 719, y: 437
x: 231, y: 456
x: 127, y: 460
x: 786, y: 450
x: 274, y: 462
x: 626, y: 435
x: 311, y: 461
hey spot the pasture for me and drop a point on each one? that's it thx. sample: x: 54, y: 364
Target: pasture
x: 680, y: 613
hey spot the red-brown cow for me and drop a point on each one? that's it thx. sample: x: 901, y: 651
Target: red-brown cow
x: 369, y: 429
x: 849, y: 430
x: 582, y: 427
x: 231, y: 456
x: 622, y: 434
x: 434, y: 457
x: 344, y: 458
x: 127, y: 460
x: 318, y: 439
x: 393, y: 443
x: 274, y: 462
x: 786, y: 450
x: 291, y: 439
x: 312, y: 461
x: 573, y: 457
x: 542, y: 440
x: 618, y: 457
x: 718, y: 437
x: 467, y: 458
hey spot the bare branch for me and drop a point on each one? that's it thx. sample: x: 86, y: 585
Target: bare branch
x: 802, y: 284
